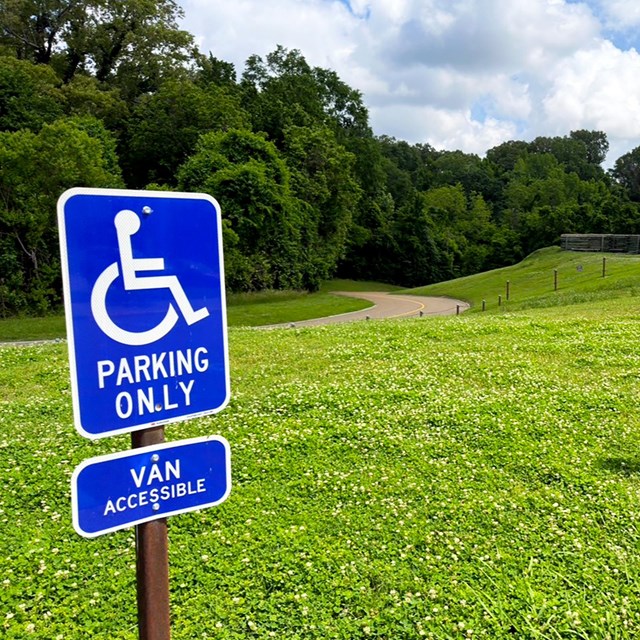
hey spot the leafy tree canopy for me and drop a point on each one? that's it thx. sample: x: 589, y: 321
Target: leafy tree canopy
x: 283, y: 90
x: 132, y: 44
x: 30, y: 95
x: 165, y: 127
x: 36, y: 169
x: 626, y: 172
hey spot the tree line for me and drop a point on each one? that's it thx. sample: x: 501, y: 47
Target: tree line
x: 115, y: 94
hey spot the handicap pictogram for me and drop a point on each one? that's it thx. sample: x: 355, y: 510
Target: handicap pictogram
x: 127, y: 224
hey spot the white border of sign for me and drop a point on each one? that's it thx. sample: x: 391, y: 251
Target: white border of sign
x: 136, y: 452
x: 68, y: 309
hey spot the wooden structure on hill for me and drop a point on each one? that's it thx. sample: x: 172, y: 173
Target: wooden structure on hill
x: 605, y: 242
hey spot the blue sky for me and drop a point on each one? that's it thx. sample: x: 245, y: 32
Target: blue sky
x: 457, y: 74
x: 619, y: 19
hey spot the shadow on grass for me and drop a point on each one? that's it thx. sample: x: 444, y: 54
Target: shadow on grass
x: 623, y: 466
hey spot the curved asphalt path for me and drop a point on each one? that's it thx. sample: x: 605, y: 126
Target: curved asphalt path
x: 386, y: 305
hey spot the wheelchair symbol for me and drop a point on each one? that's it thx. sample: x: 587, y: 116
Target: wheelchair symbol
x: 127, y: 224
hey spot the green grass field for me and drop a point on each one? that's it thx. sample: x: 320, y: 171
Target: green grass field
x: 460, y: 477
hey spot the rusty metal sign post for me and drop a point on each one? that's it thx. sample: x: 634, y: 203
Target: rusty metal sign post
x: 145, y: 309
x: 152, y: 562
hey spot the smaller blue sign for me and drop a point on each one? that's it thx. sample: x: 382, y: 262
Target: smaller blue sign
x: 120, y: 490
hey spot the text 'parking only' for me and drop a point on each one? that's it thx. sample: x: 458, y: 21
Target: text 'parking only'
x: 145, y: 307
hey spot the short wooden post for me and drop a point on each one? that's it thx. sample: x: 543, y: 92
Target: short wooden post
x: 555, y: 279
x: 604, y: 267
x: 499, y: 301
x: 484, y: 305
x: 508, y: 289
x: 457, y: 309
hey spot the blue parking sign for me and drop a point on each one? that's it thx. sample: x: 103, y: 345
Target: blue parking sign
x: 119, y: 490
x: 143, y: 281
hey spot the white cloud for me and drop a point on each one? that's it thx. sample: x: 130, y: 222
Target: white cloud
x: 522, y: 67
x: 620, y: 14
x: 511, y: 99
x: 599, y: 89
x: 482, y: 35
x: 235, y: 29
x: 443, y: 129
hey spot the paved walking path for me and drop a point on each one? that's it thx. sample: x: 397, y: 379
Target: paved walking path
x: 386, y: 305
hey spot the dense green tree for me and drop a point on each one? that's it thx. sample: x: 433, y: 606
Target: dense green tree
x: 394, y: 239
x: 342, y: 105
x: 133, y: 44
x: 626, y: 172
x: 616, y: 213
x: 414, y: 161
x: 165, y: 126
x: 446, y: 207
x: 263, y: 219
x: 463, y: 228
x: 283, y: 90
x: 506, y: 155
x: 543, y: 200
x: 477, y: 176
x: 212, y: 70
x: 418, y: 258
x: 322, y: 177
x: 596, y: 144
x: 280, y: 91
x: 29, y: 95
x: 85, y: 96
x: 36, y: 169
x: 581, y: 152
x: 371, y: 243
x: 33, y: 28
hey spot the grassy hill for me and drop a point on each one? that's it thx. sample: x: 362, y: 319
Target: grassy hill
x: 532, y: 281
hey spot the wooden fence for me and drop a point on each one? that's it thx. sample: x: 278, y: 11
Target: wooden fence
x: 605, y: 242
